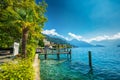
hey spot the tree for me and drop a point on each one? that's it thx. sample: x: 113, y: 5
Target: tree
x: 9, y: 32
x: 29, y: 17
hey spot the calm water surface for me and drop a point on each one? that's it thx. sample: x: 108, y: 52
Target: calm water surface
x: 106, y: 65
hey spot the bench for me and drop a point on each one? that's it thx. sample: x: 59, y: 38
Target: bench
x: 5, y: 51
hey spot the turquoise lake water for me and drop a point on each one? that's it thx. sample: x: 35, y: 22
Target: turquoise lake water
x: 106, y: 65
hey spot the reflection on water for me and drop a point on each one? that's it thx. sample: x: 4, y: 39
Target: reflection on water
x: 105, y: 66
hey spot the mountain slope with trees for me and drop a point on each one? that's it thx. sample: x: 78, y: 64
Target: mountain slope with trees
x: 56, y: 40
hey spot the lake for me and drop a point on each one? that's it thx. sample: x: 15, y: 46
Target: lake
x: 105, y: 60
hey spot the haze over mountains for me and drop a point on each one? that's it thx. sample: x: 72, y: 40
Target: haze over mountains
x: 73, y: 42
x: 78, y: 43
x: 103, y: 43
x: 81, y: 41
x: 115, y: 42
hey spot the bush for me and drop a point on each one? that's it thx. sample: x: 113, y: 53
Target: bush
x: 31, y: 49
x: 21, y: 69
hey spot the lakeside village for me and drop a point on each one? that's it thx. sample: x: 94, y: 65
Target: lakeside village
x: 48, y: 45
x: 51, y: 48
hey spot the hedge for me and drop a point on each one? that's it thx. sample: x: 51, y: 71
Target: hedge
x: 19, y: 69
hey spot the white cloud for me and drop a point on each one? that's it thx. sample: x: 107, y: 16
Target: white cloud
x: 98, y: 38
x: 101, y: 38
x: 116, y: 36
x: 50, y: 32
x: 74, y: 36
x: 54, y: 33
x: 78, y: 37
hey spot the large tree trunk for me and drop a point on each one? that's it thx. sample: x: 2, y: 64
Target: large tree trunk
x: 24, y: 41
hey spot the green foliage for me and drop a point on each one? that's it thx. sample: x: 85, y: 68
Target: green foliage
x: 41, y: 43
x: 31, y: 49
x: 31, y: 19
x: 21, y: 17
x: 32, y: 44
x: 8, y: 36
x: 17, y: 70
x: 9, y: 32
x: 16, y: 17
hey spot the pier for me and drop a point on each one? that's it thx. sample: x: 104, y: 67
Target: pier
x: 54, y: 51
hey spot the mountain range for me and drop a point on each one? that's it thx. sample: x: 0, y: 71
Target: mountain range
x: 77, y: 43
x: 74, y: 42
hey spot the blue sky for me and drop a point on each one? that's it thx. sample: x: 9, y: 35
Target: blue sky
x: 86, y: 19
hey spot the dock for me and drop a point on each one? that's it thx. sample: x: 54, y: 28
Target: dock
x: 57, y: 52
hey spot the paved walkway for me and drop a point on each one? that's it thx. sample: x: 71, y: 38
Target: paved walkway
x: 36, y: 66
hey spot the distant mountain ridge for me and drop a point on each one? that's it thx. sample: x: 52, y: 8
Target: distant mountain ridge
x: 80, y: 43
x: 74, y: 42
